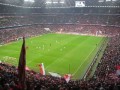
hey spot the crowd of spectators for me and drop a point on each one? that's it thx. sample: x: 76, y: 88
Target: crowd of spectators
x: 105, y: 77
x: 60, y: 19
x: 12, y: 34
x: 85, y: 29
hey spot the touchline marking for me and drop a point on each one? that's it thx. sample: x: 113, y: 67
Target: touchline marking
x: 82, y: 63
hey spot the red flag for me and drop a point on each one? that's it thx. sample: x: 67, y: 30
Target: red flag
x: 42, y: 70
x: 22, y: 65
x: 67, y: 77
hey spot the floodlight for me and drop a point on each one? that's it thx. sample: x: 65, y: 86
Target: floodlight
x: 29, y: 1
x: 48, y: 2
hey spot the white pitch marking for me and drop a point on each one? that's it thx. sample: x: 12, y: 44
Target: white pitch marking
x: 82, y: 63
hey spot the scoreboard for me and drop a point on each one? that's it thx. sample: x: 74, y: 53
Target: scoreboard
x: 79, y: 3
x: 85, y: 3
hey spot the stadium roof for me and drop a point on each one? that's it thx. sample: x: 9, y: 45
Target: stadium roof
x: 62, y: 3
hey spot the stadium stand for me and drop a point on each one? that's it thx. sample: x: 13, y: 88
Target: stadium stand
x: 16, y: 22
x: 104, y: 78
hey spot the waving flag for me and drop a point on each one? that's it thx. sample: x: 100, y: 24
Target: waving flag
x: 22, y: 65
x: 67, y: 77
x: 42, y: 70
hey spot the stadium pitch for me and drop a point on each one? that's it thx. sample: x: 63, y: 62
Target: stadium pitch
x: 60, y: 53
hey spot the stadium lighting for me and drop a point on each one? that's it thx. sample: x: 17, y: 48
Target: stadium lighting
x: 29, y: 1
x: 62, y: 2
x: 114, y: 0
x: 108, y: 0
x: 101, y: 1
x: 48, y: 2
x: 55, y: 2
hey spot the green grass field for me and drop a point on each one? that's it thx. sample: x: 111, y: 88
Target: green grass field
x: 58, y: 52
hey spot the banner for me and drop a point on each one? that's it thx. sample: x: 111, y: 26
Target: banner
x: 54, y: 74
